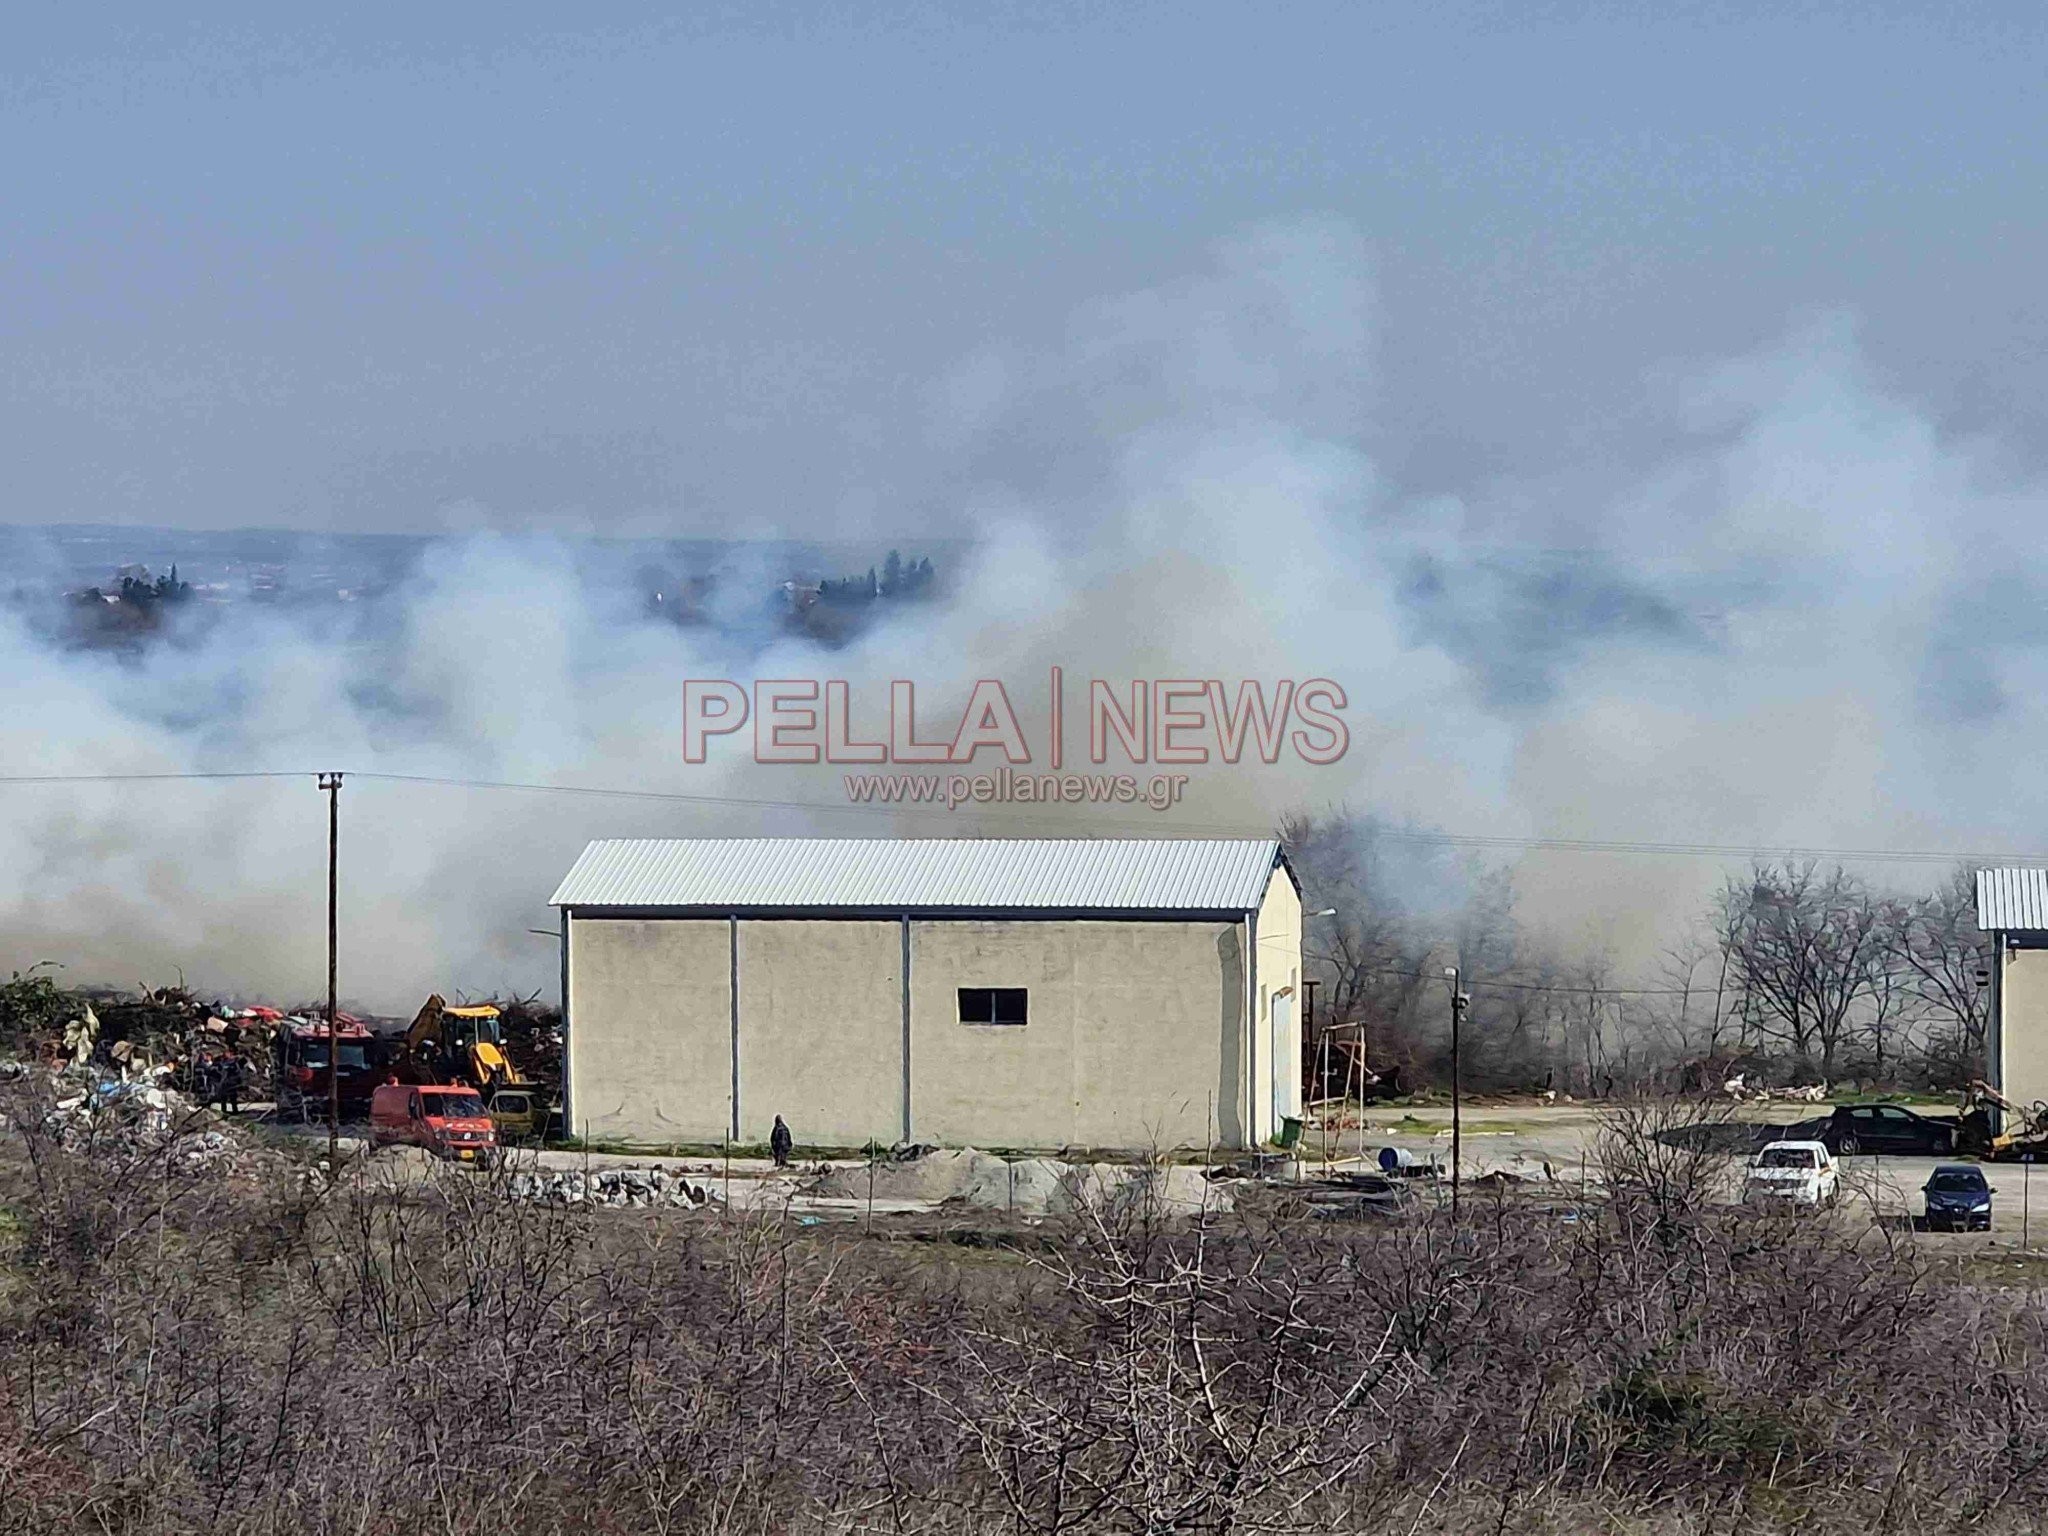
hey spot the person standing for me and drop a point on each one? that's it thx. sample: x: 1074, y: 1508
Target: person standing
x: 231, y: 1085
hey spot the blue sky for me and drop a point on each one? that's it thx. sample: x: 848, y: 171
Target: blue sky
x: 714, y: 270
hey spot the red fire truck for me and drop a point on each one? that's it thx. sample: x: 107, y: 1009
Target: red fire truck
x: 302, y: 1064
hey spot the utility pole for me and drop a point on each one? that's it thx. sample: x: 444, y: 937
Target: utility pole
x: 330, y: 785
x: 1459, y: 1002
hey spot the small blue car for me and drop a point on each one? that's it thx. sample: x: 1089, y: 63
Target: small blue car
x: 1958, y: 1196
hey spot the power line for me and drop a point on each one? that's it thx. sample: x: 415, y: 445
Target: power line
x: 1452, y: 839
x: 616, y: 792
x: 1713, y: 850
x: 143, y: 778
x: 899, y: 809
x: 1542, y: 986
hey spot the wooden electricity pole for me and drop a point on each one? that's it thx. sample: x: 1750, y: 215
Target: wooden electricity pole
x: 330, y: 784
x: 1458, y: 1004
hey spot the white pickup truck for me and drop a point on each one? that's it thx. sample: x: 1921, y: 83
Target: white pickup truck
x: 1794, y: 1173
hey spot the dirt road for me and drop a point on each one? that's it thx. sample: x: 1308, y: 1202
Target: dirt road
x: 1545, y: 1144
x: 1537, y: 1145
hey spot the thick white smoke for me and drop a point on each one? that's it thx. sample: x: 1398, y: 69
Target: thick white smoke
x: 1173, y: 487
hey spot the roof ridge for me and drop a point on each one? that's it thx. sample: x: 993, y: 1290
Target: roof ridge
x: 923, y: 873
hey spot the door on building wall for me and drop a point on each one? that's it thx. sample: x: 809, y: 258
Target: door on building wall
x: 1286, y: 1062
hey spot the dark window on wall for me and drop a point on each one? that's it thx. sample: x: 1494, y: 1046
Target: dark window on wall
x: 992, y: 1005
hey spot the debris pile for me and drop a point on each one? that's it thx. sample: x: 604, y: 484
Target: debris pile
x: 533, y: 1040
x: 208, y: 1149
x: 133, y: 1111
x: 1352, y: 1196
x: 1741, y: 1090
x: 1030, y: 1186
x: 160, y: 1036
x: 132, y: 1122
x: 636, y: 1188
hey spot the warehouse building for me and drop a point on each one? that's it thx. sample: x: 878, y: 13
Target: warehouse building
x: 2012, y: 906
x: 989, y: 992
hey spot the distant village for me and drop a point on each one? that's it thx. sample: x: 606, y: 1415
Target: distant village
x: 139, y: 606
x: 830, y: 610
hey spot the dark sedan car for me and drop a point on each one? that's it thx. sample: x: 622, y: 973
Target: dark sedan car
x: 1886, y: 1128
x: 1958, y: 1195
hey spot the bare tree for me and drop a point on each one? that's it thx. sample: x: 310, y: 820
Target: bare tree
x: 1894, y: 1011
x: 1936, y: 942
x: 1807, y: 951
x: 1584, y: 1012
x: 1529, y: 1024
x: 1369, y: 958
x: 1694, y: 972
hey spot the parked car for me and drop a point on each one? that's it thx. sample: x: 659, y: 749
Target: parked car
x: 1886, y: 1128
x: 520, y: 1114
x: 448, y: 1121
x: 1794, y: 1173
x: 1958, y: 1195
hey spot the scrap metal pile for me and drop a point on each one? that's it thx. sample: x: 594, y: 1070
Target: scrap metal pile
x: 164, y: 1037
x: 167, y: 1038
x: 533, y: 1039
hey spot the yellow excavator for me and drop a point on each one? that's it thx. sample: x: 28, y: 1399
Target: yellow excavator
x: 2022, y: 1131
x: 467, y: 1045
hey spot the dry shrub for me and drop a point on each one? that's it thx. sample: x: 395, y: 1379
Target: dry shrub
x: 434, y: 1355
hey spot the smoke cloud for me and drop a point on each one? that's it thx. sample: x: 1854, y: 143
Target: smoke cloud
x: 1812, y: 627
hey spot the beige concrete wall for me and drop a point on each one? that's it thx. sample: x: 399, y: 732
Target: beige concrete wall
x: 821, y: 1030
x: 1137, y: 1035
x: 1134, y: 1035
x: 2023, y: 1027
x: 1277, y: 1053
x: 650, y: 1029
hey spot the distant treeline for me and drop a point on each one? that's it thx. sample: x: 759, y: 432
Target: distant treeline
x: 141, y: 592
x: 894, y: 579
x: 122, y: 616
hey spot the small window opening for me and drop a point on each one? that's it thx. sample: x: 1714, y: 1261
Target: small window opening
x: 992, y: 1005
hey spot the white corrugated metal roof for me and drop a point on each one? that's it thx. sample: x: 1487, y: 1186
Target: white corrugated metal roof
x: 2012, y: 899
x: 897, y: 874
